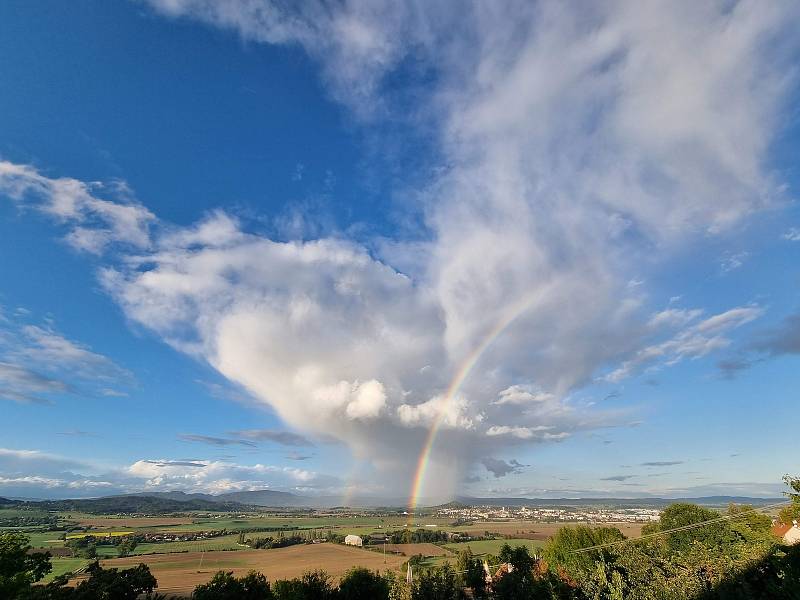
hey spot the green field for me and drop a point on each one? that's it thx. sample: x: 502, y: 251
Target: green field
x: 21, y: 512
x: 274, y: 525
x: 45, y: 539
x: 479, y: 548
x: 493, y: 546
x: 64, y: 565
x: 363, y: 524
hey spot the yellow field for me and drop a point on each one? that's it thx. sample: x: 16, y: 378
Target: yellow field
x: 98, y: 534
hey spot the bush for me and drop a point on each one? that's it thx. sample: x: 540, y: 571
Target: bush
x: 363, y: 584
x: 315, y: 585
x: 224, y: 586
x: 18, y: 568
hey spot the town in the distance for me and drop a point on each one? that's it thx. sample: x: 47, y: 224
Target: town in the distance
x: 198, y: 545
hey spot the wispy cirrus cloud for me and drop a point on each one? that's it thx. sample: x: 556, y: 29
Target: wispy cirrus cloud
x: 285, y: 438
x: 792, y: 235
x: 92, y: 222
x: 38, y: 363
x: 214, y: 441
x: 693, y: 341
x: 772, y: 342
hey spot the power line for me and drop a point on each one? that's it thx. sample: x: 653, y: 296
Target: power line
x: 682, y: 528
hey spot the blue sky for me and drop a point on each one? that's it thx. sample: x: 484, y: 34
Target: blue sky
x: 246, y: 248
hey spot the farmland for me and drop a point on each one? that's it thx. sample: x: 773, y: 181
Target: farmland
x: 179, y: 574
x: 482, y: 547
x: 187, y: 548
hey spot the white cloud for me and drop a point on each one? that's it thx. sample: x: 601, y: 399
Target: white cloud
x: 37, y: 363
x: 94, y: 223
x: 731, y: 262
x: 218, y: 476
x: 453, y: 413
x: 673, y: 317
x: 32, y: 472
x: 793, y: 235
x: 526, y: 433
x: 694, y: 341
x: 523, y: 394
x: 23, y: 463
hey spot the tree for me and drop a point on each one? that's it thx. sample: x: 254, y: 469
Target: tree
x: 681, y: 514
x: 792, y: 512
x: 398, y: 588
x: 112, y: 584
x: 224, y: 586
x: 472, y: 574
x: 19, y: 569
x: 750, y: 526
x: 126, y: 546
x: 362, y: 584
x: 314, y: 585
x: 84, y: 547
x: 436, y: 584
x: 519, y: 557
x: 560, y: 550
x: 519, y: 581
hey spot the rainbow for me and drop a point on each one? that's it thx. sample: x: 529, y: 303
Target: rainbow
x: 455, y: 384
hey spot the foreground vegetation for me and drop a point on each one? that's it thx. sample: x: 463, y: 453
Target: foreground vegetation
x: 736, y: 557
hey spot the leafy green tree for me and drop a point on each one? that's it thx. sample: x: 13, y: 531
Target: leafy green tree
x: 791, y: 512
x: 681, y: 514
x: 224, y: 586
x: 126, y: 546
x: 19, y: 568
x: 560, y: 550
x: 519, y: 581
x: 749, y: 526
x: 315, y: 585
x: 102, y: 584
x: 362, y: 584
x: 473, y: 576
x: 398, y: 588
x: 437, y: 584
x: 519, y: 557
x: 112, y: 584
x: 83, y: 547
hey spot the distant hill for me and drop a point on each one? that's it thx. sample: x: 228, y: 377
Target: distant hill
x: 175, y: 502
x: 180, y: 496
x: 271, y: 498
x: 452, y: 505
x: 615, y: 502
x: 136, y: 504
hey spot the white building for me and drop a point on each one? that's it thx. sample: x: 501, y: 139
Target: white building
x: 793, y: 535
x: 353, y: 540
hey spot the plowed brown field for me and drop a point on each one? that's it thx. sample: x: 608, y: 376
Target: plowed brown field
x: 179, y: 573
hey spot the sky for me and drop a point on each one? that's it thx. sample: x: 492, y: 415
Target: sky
x: 398, y: 249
